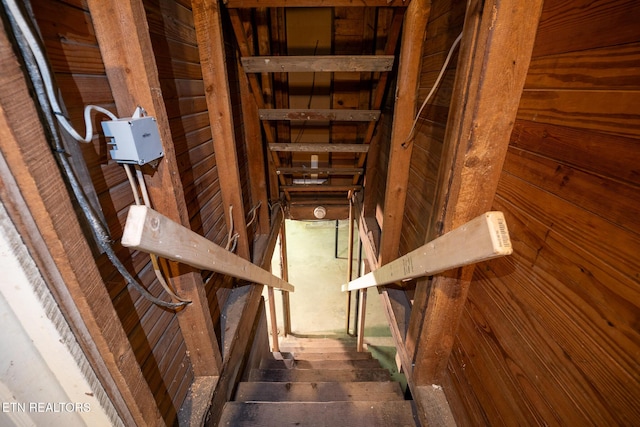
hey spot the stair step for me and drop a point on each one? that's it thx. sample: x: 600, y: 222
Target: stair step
x: 316, y: 414
x: 320, y: 364
x: 318, y: 63
x: 319, y: 375
x: 318, y: 391
x: 304, y: 348
x: 343, y: 355
x: 319, y: 148
x: 319, y: 114
x: 319, y: 342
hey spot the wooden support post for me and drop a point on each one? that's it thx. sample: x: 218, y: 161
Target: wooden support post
x: 362, y: 311
x: 129, y: 61
x: 148, y: 231
x: 206, y: 19
x: 483, y: 238
x: 274, y: 322
x: 36, y: 198
x: 349, y: 263
x: 415, y: 24
x: 255, y: 154
x: 492, y: 66
x: 284, y: 269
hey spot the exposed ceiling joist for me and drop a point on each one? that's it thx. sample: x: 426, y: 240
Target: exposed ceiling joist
x: 235, y: 4
x: 319, y: 63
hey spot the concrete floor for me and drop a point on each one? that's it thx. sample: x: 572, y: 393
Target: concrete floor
x: 318, y: 306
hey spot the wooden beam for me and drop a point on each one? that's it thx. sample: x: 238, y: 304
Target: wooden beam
x: 410, y: 64
x: 320, y: 115
x: 319, y: 63
x: 495, y: 53
x: 284, y: 273
x: 254, y: 84
x: 311, y: 188
x: 208, y: 26
x: 481, y: 239
x: 243, y: 4
x: 149, y: 231
x: 320, y: 148
x: 320, y: 171
x: 255, y: 156
x: 378, y: 95
x: 242, y: 315
x: 36, y: 198
x: 129, y: 61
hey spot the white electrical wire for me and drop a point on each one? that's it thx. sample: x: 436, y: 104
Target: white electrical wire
x: 433, y: 89
x: 38, y: 55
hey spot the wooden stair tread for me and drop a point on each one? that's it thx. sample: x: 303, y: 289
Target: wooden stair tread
x: 319, y: 148
x: 317, y: 63
x: 320, y: 342
x: 302, y: 348
x: 322, y: 364
x: 342, y: 355
x: 319, y: 114
x: 322, y: 375
x: 318, y: 391
x: 312, y: 414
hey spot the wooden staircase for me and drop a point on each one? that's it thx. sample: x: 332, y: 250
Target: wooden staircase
x: 319, y: 382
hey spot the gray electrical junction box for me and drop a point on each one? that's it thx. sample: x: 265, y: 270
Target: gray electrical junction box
x: 133, y: 140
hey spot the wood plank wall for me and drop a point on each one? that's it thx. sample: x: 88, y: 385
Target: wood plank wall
x: 445, y: 24
x: 75, y: 57
x: 550, y: 334
x: 154, y: 333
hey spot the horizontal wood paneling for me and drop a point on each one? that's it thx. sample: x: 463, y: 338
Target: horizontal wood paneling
x: 445, y: 24
x: 550, y: 334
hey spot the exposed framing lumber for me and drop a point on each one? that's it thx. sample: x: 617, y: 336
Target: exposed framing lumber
x: 255, y: 156
x: 410, y: 64
x: 318, y: 64
x: 242, y: 4
x: 311, y: 188
x: 129, y: 61
x: 208, y: 25
x: 320, y: 115
x: 494, y: 58
x: 35, y: 196
x: 254, y: 84
x: 320, y: 148
x: 321, y: 171
x: 149, y: 231
x: 378, y: 96
x: 245, y: 306
x: 481, y: 239
x: 284, y: 273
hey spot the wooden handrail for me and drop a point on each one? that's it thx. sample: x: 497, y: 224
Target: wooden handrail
x: 483, y: 238
x: 149, y: 231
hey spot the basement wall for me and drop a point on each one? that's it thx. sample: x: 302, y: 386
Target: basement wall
x: 550, y: 335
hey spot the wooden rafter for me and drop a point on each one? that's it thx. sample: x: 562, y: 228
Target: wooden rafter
x: 208, y: 25
x: 389, y: 49
x: 498, y: 36
x: 245, y: 51
x: 416, y: 18
x: 128, y: 57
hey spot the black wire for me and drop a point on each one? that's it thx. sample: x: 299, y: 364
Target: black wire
x: 46, y: 112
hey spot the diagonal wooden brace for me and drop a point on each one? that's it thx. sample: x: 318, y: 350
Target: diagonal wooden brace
x: 149, y: 231
x: 483, y: 238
